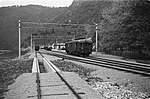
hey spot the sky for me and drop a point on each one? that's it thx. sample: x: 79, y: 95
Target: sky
x: 51, y: 3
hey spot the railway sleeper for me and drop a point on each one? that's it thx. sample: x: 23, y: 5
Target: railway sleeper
x: 31, y: 85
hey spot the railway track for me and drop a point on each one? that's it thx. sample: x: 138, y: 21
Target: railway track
x: 56, y: 70
x: 35, y: 69
x: 138, y: 68
x: 46, y: 81
x: 61, y: 77
x: 64, y: 84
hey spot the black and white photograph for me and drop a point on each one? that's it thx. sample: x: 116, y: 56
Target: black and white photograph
x: 74, y: 49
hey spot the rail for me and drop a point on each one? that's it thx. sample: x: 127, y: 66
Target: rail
x: 142, y: 69
x: 55, y: 69
x: 35, y: 69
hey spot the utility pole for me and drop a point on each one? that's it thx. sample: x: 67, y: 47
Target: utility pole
x: 19, y: 39
x: 31, y: 44
x: 96, y: 38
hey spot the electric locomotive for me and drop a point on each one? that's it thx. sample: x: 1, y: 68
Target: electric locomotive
x: 80, y: 47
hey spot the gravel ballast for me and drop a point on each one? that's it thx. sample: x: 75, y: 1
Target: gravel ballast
x: 109, y: 83
x: 106, y: 88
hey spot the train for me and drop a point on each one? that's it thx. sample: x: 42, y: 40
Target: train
x: 37, y: 48
x: 79, y: 47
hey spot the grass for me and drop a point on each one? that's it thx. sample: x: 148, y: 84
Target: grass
x: 11, y: 55
x: 72, y: 67
x: 11, y: 69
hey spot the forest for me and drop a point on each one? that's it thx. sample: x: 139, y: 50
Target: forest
x: 123, y: 25
x: 10, y: 16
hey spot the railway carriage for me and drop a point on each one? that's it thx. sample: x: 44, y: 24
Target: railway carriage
x: 79, y: 47
x: 37, y: 48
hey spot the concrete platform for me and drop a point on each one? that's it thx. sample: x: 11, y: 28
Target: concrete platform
x: 52, y: 87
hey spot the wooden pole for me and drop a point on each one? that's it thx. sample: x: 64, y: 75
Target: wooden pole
x: 19, y: 39
x: 31, y: 45
x: 96, y: 39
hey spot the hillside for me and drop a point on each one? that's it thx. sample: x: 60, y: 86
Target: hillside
x: 9, y: 17
x: 123, y: 24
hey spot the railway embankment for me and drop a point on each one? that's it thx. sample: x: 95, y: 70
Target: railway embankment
x: 10, y: 70
x: 116, y: 83
x: 107, y: 82
x: 11, y: 67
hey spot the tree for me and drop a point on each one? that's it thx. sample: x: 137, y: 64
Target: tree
x: 136, y: 27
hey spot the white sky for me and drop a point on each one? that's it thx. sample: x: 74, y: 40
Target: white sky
x: 52, y: 3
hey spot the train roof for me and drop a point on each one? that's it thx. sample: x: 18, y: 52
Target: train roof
x: 81, y: 41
